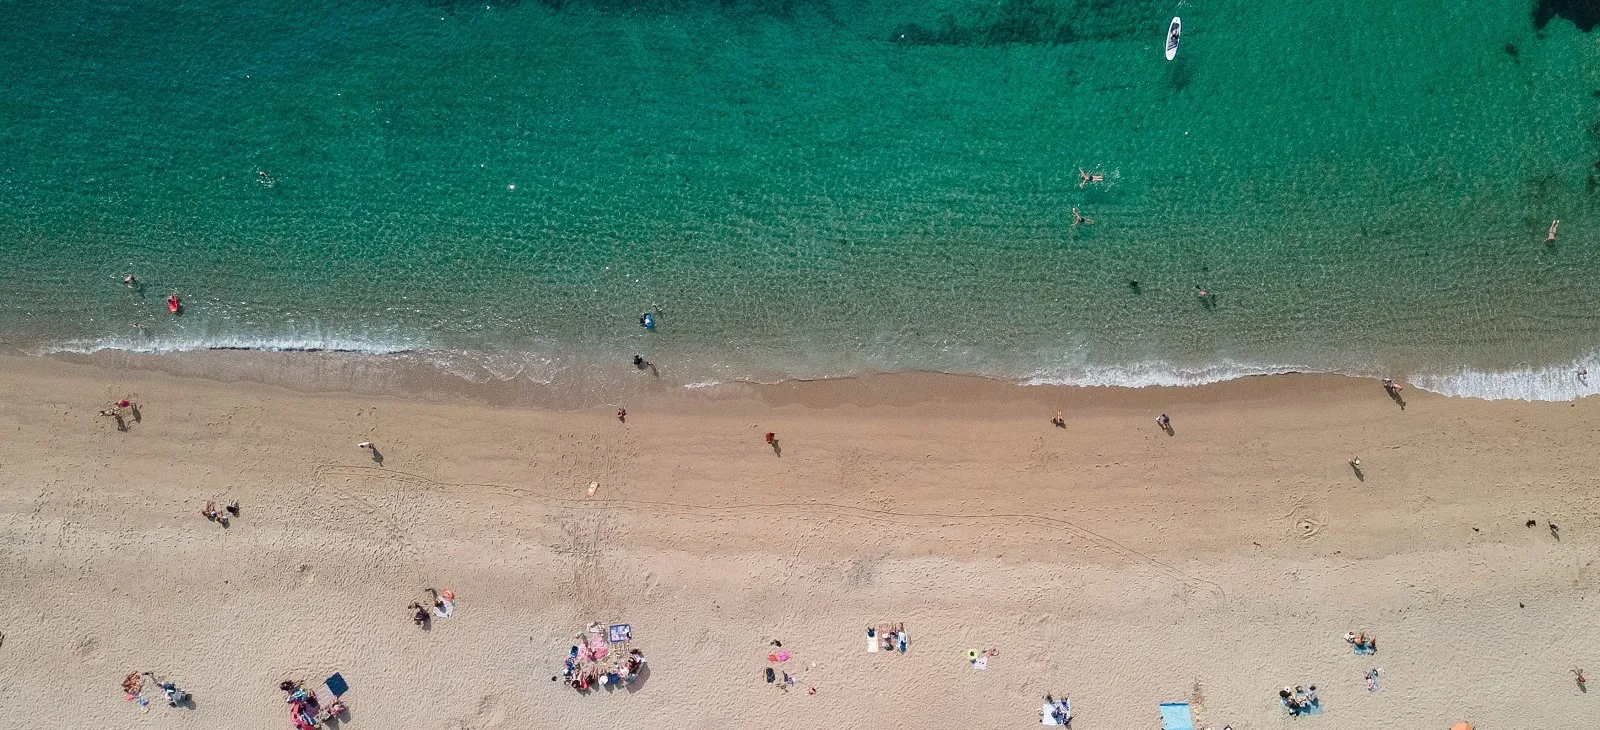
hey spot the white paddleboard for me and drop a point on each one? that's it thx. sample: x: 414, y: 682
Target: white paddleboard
x: 1173, y: 31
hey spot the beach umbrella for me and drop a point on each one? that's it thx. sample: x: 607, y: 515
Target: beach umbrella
x: 1461, y: 726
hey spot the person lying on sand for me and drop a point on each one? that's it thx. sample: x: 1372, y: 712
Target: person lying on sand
x: 419, y: 615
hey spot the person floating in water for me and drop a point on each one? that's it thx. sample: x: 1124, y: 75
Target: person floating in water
x: 129, y: 281
x: 1078, y: 218
x: 1553, y: 225
x: 1085, y: 177
x: 647, y: 320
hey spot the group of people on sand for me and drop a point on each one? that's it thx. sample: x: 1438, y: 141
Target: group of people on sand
x: 440, y: 603
x: 116, y: 411
x: 1299, y: 699
x: 593, y: 659
x: 221, y: 517
x: 305, y: 709
x: 133, y: 690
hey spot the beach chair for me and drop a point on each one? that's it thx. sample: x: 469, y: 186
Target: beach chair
x: 1176, y: 716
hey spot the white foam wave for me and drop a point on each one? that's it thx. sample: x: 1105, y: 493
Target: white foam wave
x: 1559, y: 382
x: 160, y: 345
x: 1153, y: 373
x: 1548, y: 383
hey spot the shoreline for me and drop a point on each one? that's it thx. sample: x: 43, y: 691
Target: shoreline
x: 410, y: 374
x: 1105, y: 558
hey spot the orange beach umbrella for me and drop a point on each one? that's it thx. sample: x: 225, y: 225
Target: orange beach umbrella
x: 1461, y: 726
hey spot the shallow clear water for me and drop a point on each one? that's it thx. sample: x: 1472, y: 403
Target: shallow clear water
x: 811, y: 188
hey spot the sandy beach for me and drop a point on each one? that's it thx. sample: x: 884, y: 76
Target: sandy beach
x: 1106, y: 560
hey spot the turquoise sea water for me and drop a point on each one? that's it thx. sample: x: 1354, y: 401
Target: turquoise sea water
x: 806, y: 188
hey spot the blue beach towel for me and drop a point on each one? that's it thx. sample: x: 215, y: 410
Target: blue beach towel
x: 1359, y: 649
x: 1175, y: 716
x: 1311, y: 709
x: 337, y: 685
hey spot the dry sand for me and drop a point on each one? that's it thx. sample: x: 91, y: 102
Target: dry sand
x: 1106, y: 560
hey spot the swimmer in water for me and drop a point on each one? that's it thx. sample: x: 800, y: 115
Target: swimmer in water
x: 1085, y: 177
x: 1079, y: 218
x: 129, y: 281
x: 1552, y: 237
x: 647, y: 321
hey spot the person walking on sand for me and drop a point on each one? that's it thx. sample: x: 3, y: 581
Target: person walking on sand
x: 1057, y: 420
x: 1164, y: 422
x: 1551, y: 238
x: 622, y: 415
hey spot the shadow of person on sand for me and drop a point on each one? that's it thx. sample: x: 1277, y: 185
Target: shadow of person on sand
x: 377, y: 455
x: 1355, y: 466
x: 639, y: 678
x: 136, y: 413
